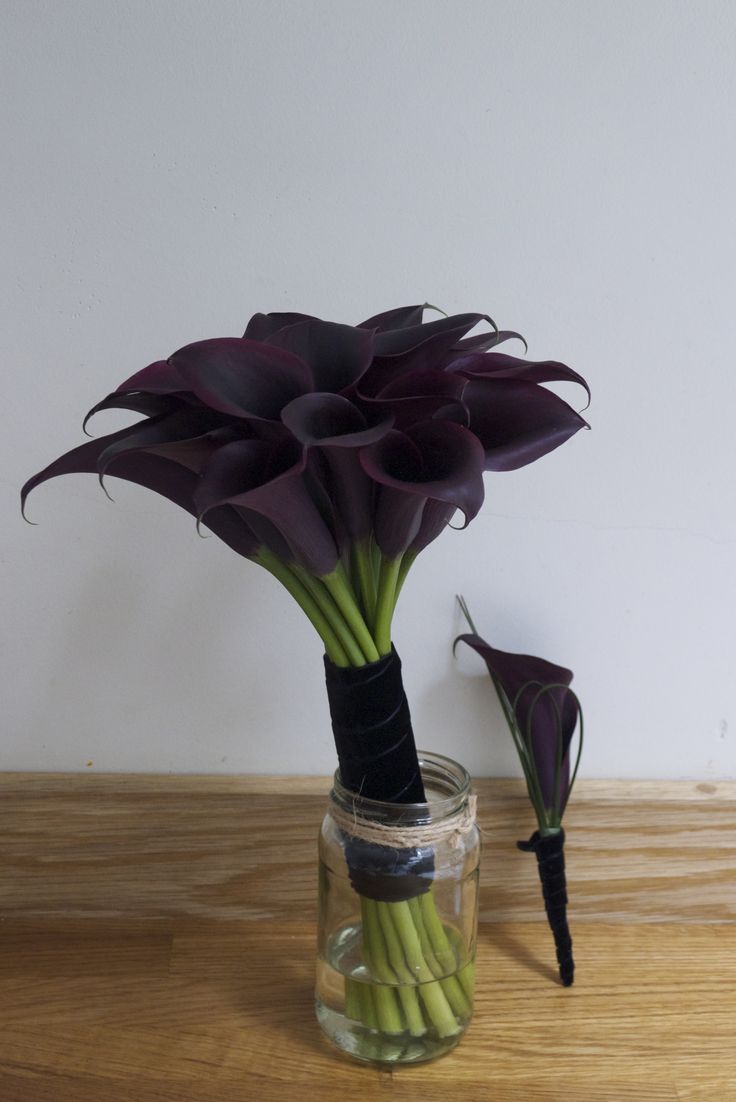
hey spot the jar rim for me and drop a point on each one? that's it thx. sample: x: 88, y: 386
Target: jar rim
x: 434, y: 768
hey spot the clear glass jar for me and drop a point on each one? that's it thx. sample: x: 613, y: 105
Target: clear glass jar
x: 395, y: 958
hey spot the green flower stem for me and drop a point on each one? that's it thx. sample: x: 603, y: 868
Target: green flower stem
x: 365, y: 579
x: 340, y: 590
x: 407, y: 990
x: 416, y: 914
x: 466, y: 975
x: 332, y: 614
x: 387, y: 1008
x: 333, y: 647
x: 386, y: 602
x: 374, y: 946
x: 431, y: 993
x: 466, y: 613
x: 456, y: 996
x: 368, y: 1014
x: 407, y: 561
x: 466, y: 979
x: 412, y: 1010
x: 394, y: 948
x: 353, y: 1007
x: 443, y: 951
x: 526, y: 758
x: 374, y: 951
x: 376, y: 557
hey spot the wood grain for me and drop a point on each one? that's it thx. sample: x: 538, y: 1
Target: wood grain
x: 157, y: 945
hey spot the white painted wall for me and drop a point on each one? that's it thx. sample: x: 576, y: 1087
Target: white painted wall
x: 567, y: 165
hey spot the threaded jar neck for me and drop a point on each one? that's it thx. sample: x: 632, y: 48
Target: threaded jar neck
x: 446, y: 784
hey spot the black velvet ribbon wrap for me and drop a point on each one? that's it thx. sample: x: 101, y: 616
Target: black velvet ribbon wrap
x: 378, y: 761
x: 550, y: 853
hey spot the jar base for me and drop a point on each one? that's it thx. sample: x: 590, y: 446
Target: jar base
x: 386, y: 1023
x: 374, y: 1047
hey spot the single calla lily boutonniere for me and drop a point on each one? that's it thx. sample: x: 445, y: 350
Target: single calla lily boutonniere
x: 542, y: 713
x: 331, y: 455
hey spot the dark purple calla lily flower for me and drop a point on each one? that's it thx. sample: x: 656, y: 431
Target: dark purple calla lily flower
x: 242, y: 378
x: 414, y: 348
x: 337, y: 428
x: 337, y: 355
x: 264, y: 478
x: 422, y: 396
x: 435, y: 461
x: 482, y: 342
x: 263, y: 326
x: 338, y: 390
x: 545, y: 713
x: 173, y: 478
x: 517, y: 422
x: 402, y: 317
x: 326, y: 448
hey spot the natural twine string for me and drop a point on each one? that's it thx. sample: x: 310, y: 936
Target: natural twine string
x: 450, y: 830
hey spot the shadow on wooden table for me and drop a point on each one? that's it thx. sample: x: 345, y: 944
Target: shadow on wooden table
x: 494, y: 938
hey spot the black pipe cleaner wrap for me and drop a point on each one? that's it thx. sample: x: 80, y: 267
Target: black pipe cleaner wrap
x: 378, y: 761
x: 550, y: 853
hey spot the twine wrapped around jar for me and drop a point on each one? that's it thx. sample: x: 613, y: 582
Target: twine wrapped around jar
x: 395, y: 836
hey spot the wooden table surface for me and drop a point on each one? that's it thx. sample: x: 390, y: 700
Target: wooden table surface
x: 158, y: 946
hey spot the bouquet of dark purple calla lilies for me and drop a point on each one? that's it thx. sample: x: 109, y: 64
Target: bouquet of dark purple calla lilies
x: 542, y: 713
x: 331, y: 455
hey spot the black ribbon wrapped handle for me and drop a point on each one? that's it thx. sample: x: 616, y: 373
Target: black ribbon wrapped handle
x: 550, y: 853
x: 372, y: 728
x: 378, y: 761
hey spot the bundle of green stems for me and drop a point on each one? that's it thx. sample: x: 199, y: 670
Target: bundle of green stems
x: 413, y: 961
x: 417, y: 978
